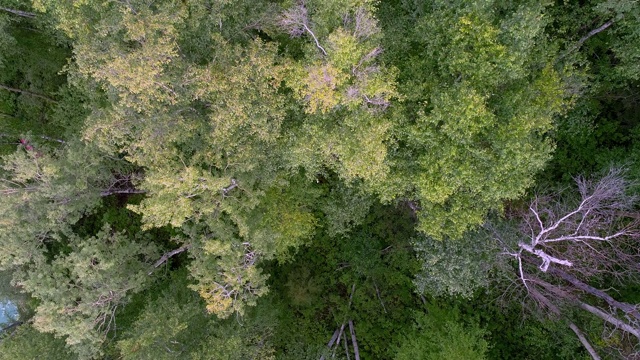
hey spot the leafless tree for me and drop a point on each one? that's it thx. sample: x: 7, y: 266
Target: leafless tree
x: 565, y: 244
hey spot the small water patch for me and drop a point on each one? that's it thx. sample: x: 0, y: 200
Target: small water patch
x: 8, y: 313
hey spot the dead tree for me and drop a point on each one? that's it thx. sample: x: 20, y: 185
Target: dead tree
x: 566, y: 244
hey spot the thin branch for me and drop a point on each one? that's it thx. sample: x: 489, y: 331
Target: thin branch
x: 333, y: 338
x: 353, y: 290
x: 52, y: 139
x: 586, y: 237
x: 340, y: 334
x: 26, y: 92
x: 561, y: 221
x: 524, y: 280
x: 332, y: 341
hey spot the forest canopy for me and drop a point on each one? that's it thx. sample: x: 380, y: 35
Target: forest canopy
x: 293, y: 179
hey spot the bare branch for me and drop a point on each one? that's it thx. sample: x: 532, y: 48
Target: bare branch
x: 364, y: 24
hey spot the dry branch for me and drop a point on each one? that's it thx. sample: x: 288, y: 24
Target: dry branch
x: 610, y: 319
x: 622, y: 306
x: 584, y: 341
x: 121, y: 191
x: 19, y: 12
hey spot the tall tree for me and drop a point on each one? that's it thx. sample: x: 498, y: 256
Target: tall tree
x: 480, y: 91
x: 80, y: 292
